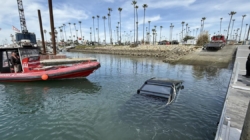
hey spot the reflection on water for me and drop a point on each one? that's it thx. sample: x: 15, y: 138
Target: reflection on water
x: 29, y: 97
x: 105, y: 106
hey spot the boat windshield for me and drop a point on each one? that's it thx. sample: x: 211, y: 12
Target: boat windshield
x: 156, y: 89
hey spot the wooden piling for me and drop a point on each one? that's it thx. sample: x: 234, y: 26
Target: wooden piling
x: 41, y: 30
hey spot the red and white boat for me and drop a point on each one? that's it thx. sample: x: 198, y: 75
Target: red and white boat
x: 32, y: 70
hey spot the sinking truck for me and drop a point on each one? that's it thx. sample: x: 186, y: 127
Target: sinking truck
x: 217, y: 42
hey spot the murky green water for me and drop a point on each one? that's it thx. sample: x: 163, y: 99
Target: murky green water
x: 104, y: 106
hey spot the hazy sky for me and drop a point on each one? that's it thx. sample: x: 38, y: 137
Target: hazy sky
x: 159, y: 12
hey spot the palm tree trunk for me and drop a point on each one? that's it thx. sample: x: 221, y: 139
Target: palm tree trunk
x: 248, y: 32
x: 203, y: 26
x: 65, y: 33
x: 109, y: 26
x: 144, y: 26
x: 160, y: 34
x: 245, y: 33
x: 104, y: 31
x: 232, y: 30
x: 120, y: 29
x: 94, y: 29
x: 182, y: 31
x: 70, y: 31
x: 241, y: 28
x: 149, y: 38
x: 75, y: 30
x: 134, y: 24
x: 229, y: 27
x: 111, y: 40
x: 98, y: 30
x: 220, y: 26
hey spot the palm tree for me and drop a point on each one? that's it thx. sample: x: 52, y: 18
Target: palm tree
x: 245, y: 32
x: 203, y: 19
x: 243, y: 16
x: 98, y: 27
x: 120, y: 10
x: 80, y: 28
x: 134, y: 3
x: 182, y: 28
x: 220, y: 24
x: 104, y: 18
x: 231, y: 14
x: 94, y: 26
x: 110, y: 9
x: 144, y: 7
x: 76, y: 31
x: 136, y: 8
x: 70, y: 29
x: 149, y: 31
x: 232, y: 29
x: 44, y: 31
x: 160, y: 32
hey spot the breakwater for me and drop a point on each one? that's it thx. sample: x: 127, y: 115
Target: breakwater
x: 169, y: 53
x: 191, y: 55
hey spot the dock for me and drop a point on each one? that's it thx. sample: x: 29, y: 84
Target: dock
x: 47, y: 62
x: 237, y: 99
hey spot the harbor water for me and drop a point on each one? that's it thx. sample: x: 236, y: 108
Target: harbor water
x: 105, y: 106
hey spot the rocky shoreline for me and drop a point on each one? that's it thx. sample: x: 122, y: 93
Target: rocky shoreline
x: 191, y: 55
x: 167, y: 53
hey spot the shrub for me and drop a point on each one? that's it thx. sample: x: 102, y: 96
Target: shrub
x: 80, y: 47
x: 187, y: 38
x: 133, y: 45
x: 202, y: 39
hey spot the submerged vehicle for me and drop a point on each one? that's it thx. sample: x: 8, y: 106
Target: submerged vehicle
x: 161, y: 87
x: 216, y: 43
x: 32, y: 70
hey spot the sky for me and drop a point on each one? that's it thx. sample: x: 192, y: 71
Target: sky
x: 159, y: 12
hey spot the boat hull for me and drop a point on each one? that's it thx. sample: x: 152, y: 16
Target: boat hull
x: 78, y: 70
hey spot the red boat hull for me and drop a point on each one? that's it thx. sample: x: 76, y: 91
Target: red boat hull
x: 78, y: 70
